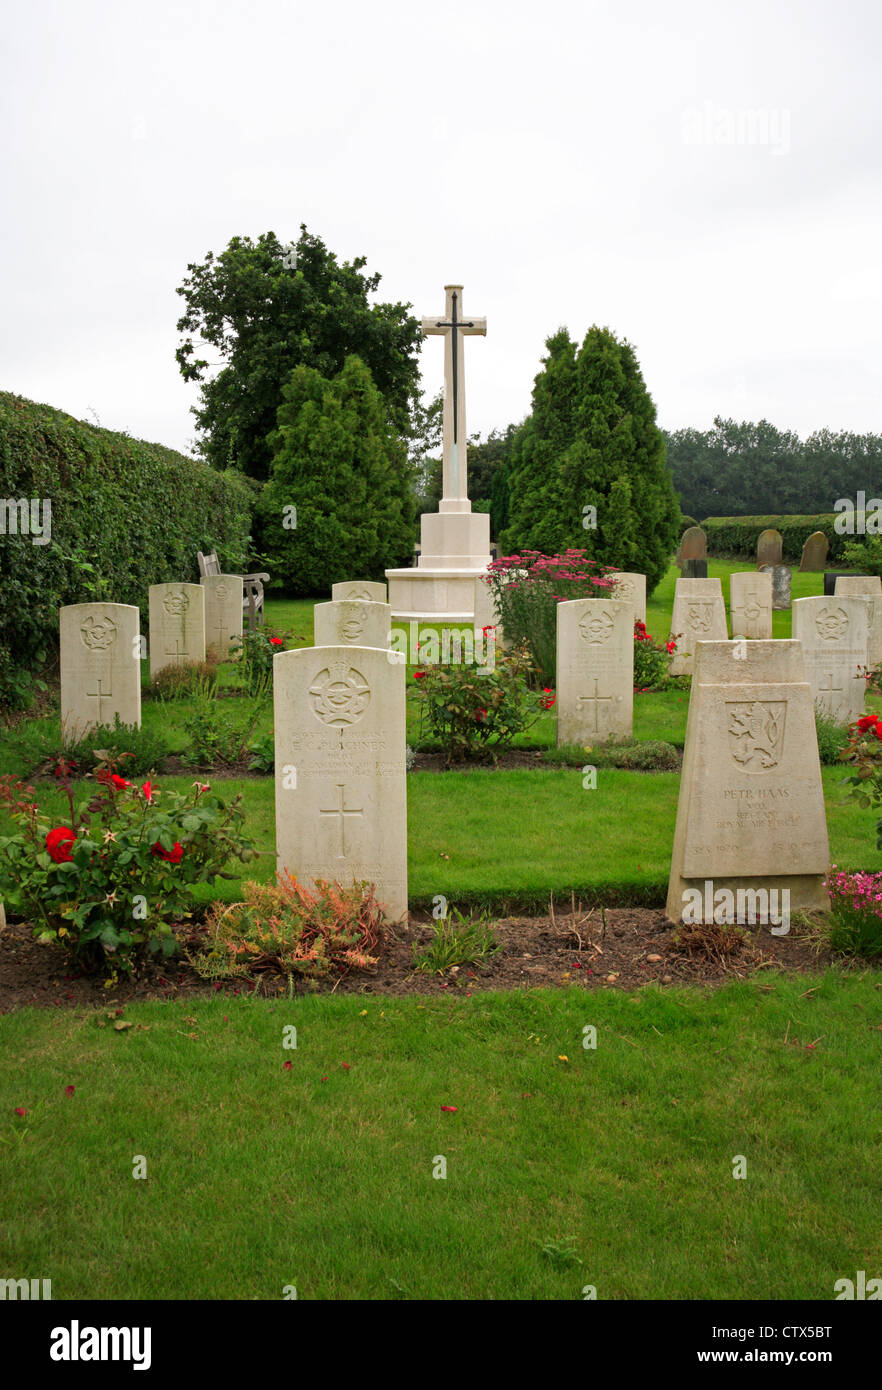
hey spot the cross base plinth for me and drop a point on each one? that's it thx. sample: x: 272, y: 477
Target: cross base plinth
x: 439, y: 595
x: 454, y: 540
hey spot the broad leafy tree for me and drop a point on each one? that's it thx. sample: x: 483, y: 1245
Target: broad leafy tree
x: 261, y: 308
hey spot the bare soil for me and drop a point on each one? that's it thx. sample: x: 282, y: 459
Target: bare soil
x: 618, y: 948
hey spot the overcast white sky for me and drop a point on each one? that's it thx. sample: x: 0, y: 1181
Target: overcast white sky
x: 569, y: 162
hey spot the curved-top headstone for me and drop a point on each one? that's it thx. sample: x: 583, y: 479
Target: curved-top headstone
x: 693, y: 545
x: 177, y: 625
x: 699, y: 615
x: 814, y: 552
x: 341, y: 802
x: 631, y: 588
x: 595, y: 670
x: 364, y: 589
x: 352, y: 622
x: 769, y: 548
x: 100, y: 666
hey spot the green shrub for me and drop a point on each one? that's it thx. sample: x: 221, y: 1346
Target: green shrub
x: 476, y: 714
x: 832, y: 737
x: 865, y: 554
x: 256, y: 651
x: 124, y: 515
x: 456, y: 940
x: 139, y: 750
x: 737, y: 535
x: 283, y: 928
x: 218, y: 731
x: 112, y: 876
x: 652, y: 660
x: 527, y: 589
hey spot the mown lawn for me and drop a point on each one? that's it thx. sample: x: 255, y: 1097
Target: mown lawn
x: 566, y: 1167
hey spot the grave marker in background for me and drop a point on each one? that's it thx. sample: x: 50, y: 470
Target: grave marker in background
x: 699, y: 616
x: 750, y: 605
x: 352, y: 622
x: 177, y: 625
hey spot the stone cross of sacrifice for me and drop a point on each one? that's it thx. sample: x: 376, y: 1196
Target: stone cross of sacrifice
x: 452, y: 328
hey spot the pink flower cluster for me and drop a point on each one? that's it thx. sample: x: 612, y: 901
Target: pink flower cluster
x: 861, y: 891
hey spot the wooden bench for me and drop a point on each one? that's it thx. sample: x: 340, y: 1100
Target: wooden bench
x: 252, y: 587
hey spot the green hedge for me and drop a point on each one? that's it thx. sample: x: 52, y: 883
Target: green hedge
x: 125, y: 514
x: 737, y: 535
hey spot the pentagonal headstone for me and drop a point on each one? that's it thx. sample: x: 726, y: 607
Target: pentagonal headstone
x: 595, y: 670
x: 100, y: 666
x: 750, y: 605
x: 770, y: 548
x: 814, y: 552
x: 834, y: 633
x: 699, y: 616
x: 177, y: 625
x: 223, y: 614
x: 341, y: 805
x: 352, y: 622
x: 750, y: 816
x: 631, y: 588
x: 866, y: 586
x: 364, y: 589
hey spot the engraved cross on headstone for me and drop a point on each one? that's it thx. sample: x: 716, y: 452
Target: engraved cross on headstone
x: 179, y: 656
x: 101, y: 694
x: 452, y: 327
x: 342, y: 812
x: 831, y: 690
x: 595, y: 700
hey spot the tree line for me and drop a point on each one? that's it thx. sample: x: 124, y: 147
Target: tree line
x: 310, y: 387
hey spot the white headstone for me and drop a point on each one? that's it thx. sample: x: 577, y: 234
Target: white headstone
x: 352, y: 623
x: 750, y: 605
x: 100, y: 666
x: 631, y: 588
x: 223, y: 614
x: 595, y: 670
x: 699, y: 616
x: 177, y: 625
x: 834, y: 633
x: 750, y: 814
x: 341, y: 803
x: 364, y: 589
x: 866, y: 586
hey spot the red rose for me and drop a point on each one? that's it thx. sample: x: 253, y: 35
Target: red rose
x: 418, y: 675
x: 276, y: 641
x: 869, y: 721
x: 147, y: 789
x: 171, y: 856
x: 671, y: 645
x: 481, y: 715
x: 58, y: 843
x: 119, y: 782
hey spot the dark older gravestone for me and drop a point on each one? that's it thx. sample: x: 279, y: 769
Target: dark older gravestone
x: 814, y: 552
x: 780, y: 584
x: 693, y: 569
x: 693, y: 544
x: 692, y: 555
x: 769, y: 549
x: 831, y: 576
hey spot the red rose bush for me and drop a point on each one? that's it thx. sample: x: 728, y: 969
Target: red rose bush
x: 112, y: 875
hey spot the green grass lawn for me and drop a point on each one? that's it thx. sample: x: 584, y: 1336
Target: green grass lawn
x: 613, y: 1168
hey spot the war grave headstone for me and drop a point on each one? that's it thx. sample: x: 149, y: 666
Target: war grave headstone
x: 100, y: 666
x: 750, y: 815
x: 341, y: 804
x: 595, y: 670
x: 177, y: 625
x: 834, y: 633
x: 699, y: 615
